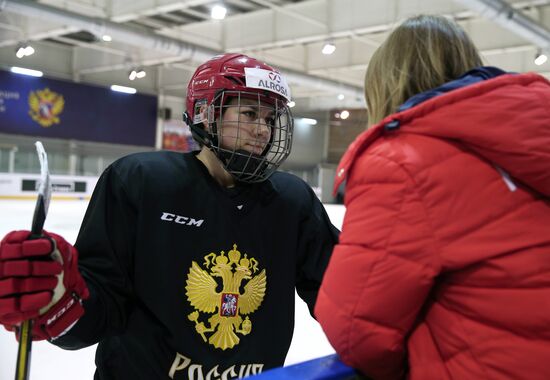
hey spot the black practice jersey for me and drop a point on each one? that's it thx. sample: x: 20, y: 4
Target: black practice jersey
x: 189, y: 280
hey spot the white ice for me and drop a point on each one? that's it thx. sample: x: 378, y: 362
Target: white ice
x: 49, y: 362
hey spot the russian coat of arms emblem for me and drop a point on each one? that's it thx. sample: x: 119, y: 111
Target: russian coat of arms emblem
x: 228, y: 306
x: 45, y: 107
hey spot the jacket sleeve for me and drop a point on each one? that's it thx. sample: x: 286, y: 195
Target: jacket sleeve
x: 317, y: 239
x: 105, y: 244
x: 381, y: 271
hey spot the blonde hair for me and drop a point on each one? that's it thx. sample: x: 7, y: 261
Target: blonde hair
x: 420, y: 54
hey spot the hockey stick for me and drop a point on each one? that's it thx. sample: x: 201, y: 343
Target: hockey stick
x: 38, y: 219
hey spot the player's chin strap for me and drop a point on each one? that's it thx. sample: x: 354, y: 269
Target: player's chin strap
x: 244, y: 166
x: 198, y: 132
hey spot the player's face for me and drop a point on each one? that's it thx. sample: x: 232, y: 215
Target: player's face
x: 247, y: 126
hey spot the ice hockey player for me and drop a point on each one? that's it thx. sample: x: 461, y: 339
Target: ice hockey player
x: 187, y: 262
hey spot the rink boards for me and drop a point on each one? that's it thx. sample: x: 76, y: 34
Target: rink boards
x: 25, y: 186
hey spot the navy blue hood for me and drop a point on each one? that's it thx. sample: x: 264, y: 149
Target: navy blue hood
x: 473, y: 76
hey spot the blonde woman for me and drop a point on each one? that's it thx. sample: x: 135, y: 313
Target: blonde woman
x: 442, y: 270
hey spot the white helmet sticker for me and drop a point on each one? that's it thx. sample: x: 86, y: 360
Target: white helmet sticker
x: 267, y: 80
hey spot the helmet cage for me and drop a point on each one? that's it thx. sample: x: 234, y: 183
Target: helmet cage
x: 248, y: 155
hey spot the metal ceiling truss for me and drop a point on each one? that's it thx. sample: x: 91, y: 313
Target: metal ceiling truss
x: 144, y: 39
x: 171, y: 29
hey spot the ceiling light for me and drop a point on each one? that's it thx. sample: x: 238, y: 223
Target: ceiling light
x: 136, y: 73
x: 124, y: 89
x: 107, y: 38
x: 20, y: 53
x: 540, y: 58
x: 309, y: 121
x: 141, y: 73
x: 218, y: 12
x: 344, y: 114
x: 24, y: 50
x: 291, y: 104
x: 328, y: 49
x: 22, y: 70
x: 341, y: 96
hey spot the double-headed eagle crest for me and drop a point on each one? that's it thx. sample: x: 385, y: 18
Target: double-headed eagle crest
x: 45, y: 107
x: 227, y: 304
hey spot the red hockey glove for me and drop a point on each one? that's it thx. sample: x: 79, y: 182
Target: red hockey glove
x: 39, y: 280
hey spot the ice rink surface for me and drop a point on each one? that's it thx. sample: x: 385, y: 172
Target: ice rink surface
x: 52, y: 363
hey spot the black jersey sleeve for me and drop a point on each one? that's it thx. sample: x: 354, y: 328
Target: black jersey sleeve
x: 316, y: 241
x: 105, y: 245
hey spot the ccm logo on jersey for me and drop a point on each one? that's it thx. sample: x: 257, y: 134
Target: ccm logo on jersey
x: 185, y: 220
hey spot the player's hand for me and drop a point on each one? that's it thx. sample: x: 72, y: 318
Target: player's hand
x: 39, y: 280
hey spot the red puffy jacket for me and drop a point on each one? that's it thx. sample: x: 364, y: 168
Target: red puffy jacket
x: 443, y: 266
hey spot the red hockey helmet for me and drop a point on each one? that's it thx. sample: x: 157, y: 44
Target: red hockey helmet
x: 233, y: 80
